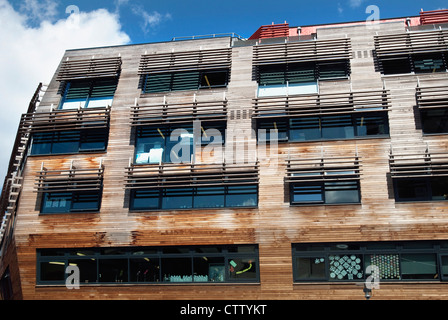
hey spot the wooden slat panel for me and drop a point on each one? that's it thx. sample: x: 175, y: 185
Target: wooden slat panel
x: 65, y: 120
x: 69, y: 180
x: 321, y: 104
x: 409, y: 43
x: 418, y: 165
x: 185, y: 61
x: 432, y: 97
x: 323, y: 169
x: 89, y: 68
x: 174, y: 176
x: 315, y: 50
x: 179, y: 113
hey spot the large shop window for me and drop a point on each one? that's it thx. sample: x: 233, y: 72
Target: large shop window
x: 151, y: 265
x: 347, y: 262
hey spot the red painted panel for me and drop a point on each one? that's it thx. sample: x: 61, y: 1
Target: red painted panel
x: 434, y: 17
x: 271, y: 31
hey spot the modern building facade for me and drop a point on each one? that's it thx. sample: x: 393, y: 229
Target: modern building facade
x: 283, y: 166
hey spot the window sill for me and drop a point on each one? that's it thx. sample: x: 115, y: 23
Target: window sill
x: 323, y: 204
x: 169, y: 93
x: 172, y: 211
x: 412, y: 74
x: 207, y: 284
x: 435, y: 134
x: 77, y: 213
x: 419, y: 201
x: 283, y: 141
x: 66, y: 154
x: 361, y: 282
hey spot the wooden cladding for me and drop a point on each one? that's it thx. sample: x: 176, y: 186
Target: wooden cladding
x: 432, y: 97
x: 418, y: 165
x: 66, y: 120
x: 192, y: 175
x: 323, y: 169
x: 321, y: 104
x: 89, y: 68
x: 294, y: 52
x: 179, y: 113
x: 69, y: 180
x: 411, y: 43
x: 186, y: 61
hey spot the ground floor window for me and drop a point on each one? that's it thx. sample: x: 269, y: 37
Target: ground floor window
x: 202, y: 264
x: 395, y: 261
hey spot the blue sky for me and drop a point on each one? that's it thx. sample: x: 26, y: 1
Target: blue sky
x: 37, y: 32
x: 150, y: 21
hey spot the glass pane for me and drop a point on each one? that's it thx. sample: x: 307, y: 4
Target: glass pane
x: 305, y: 129
x: 342, y: 192
x: 396, y: 65
x: 214, y: 79
x: 337, y: 127
x: 209, y: 197
x: 208, y: 269
x: 158, y: 82
x: 272, y: 129
x: 411, y: 189
x: 56, y: 203
x: 145, y: 270
x: 242, y: 249
x: 185, y: 81
x: 242, y: 269
x: 371, y: 125
x: 177, y: 270
x: 337, y: 69
x: 74, y: 104
x: 144, y: 199
x: 87, y: 269
x: 303, y: 88
x: 301, y: 72
x: 51, y: 252
x: 52, y: 271
x: 150, y: 145
x: 42, y: 143
x: 241, y: 196
x: 272, y: 75
x: 388, y: 265
x: 439, y: 187
x: 346, y: 267
x: 419, y: 266
x: 445, y: 267
x: 113, y: 270
x: 307, y: 193
x: 178, y: 198
x: 100, y: 102
x: 93, y: 140
x: 310, y: 268
x: 86, y: 201
x: 180, y: 145
x: 66, y: 142
x: 429, y: 63
x: 435, y: 120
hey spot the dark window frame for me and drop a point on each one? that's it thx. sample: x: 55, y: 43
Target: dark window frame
x: 194, y: 193
x: 225, y: 252
x: 408, y: 63
x: 409, y: 182
x: 324, y: 186
x: 181, y: 81
x: 78, y: 136
x: 74, y: 197
x: 285, y: 123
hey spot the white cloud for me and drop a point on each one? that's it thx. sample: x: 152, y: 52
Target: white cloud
x: 355, y: 3
x: 31, y: 55
x: 150, y: 20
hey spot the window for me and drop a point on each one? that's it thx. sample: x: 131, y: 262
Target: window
x: 185, y: 80
x: 421, y: 189
x: 6, y: 292
x: 344, y: 192
x: 348, y: 126
x: 197, y: 197
x: 64, y: 142
x: 152, y: 265
x: 298, y: 78
x: 395, y: 261
x: 417, y: 63
x: 434, y: 120
x: 70, y: 202
x: 156, y: 144
x: 88, y: 93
